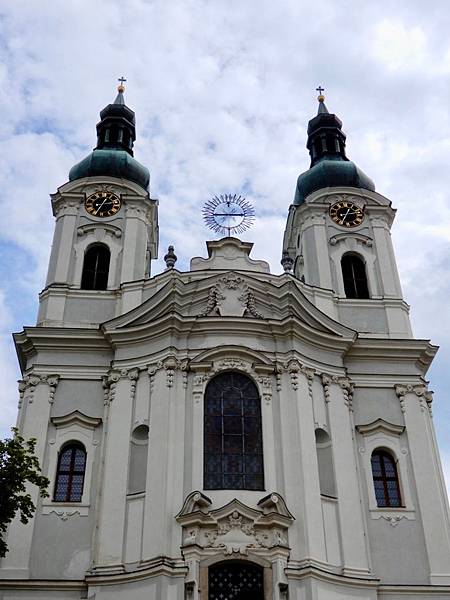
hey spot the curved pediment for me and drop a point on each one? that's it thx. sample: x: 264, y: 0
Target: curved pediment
x: 232, y: 300
x: 235, y: 527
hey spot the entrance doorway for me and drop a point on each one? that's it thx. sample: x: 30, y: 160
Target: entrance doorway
x: 235, y: 581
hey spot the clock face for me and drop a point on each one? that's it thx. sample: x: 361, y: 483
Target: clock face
x: 102, y: 204
x: 346, y: 214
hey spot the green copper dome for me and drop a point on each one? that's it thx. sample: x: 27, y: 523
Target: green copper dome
x: 330, y: 167
x: 113, y: 155
x: 115, y: 163
x: 331, y: 172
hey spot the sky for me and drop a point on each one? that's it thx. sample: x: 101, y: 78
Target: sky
x: 223, y: 91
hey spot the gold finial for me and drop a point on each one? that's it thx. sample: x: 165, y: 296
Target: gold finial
x: 121, y: 87
x: 320, y: 97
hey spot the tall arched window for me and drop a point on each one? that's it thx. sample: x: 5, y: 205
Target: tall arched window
x: 355, y: 278
x: 70, y: 473
x: 233, y: 451
x: 385, y: 479
x: 96, y: 268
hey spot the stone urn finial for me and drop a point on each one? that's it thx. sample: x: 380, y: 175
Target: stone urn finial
x: 170, y: 258
x: 287, y: 262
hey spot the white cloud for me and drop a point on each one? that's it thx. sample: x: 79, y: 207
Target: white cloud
x: 399, y: 47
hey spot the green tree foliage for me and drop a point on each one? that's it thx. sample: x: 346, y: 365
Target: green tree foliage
x: 18, y: 466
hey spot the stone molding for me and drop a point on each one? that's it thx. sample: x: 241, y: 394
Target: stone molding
x: 235, y: 528
x: 76, y: 417
x: 108, y: 229
x: 231, y: 297
x: 380, y: 425
x: 28, y: 385
x: 346, y: 385
x: 424, y: 396
x: 111, y: 380
x: 170, y: 364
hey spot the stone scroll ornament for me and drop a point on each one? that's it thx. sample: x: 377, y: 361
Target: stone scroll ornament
x: 231, y: 297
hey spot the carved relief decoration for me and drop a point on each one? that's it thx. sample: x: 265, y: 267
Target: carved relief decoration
x: 235, y: 528
x: 231, y: 297
x: 28, y: 385
x: 170, y: 364
x: 424, y: 396
x: 346, y: 385
x: 110, y: 383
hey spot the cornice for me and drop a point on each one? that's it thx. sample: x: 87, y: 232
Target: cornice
x: 421, y: 352
x: 161, y: 565
x: 43, y: 584
x: 174, y: 324
x: 34, y: 339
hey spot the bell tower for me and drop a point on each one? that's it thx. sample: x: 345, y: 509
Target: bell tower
x: 338, y: 237
x: 106, y: 230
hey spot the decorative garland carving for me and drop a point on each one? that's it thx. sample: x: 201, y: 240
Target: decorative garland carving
x: 393, y: 520
x: 232, y: 363
x: 279, y: 376
x: 423, y: 394
x: 170, y: 365
x: 28, y: 385
x: 344, y: 382
x: 347, y: 390
x: 266, y: 386
x: 235, y: 528
x: 293, y: 367
x: 231, y: 296
x: 111, y: 380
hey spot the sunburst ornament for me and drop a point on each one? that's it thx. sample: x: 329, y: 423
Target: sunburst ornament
x: 227, y: 214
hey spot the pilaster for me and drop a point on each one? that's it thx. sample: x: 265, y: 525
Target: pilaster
x: 67, y: 215
x: 390, y: 281
x: 293, y: 478
x: 120, y: 388
x: 415, y: 402
x: 301, y: 384
x: 135, y: 243
x: 37, y: 394
x: 338, y: 395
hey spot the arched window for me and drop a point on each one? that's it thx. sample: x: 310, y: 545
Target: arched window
x: 96, y: 268
x: 324, y: 452
x: 355, y: 278
x: 233, y: 451
x: 70, y: 473
x: 385, y: 479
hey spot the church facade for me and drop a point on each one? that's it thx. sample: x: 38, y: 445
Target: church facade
x: 226, y: 433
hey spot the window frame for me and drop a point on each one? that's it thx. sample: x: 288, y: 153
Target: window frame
x: 72, y: 472
x: 381, y: 434
x: 231, y: 420
x: 388, y: 500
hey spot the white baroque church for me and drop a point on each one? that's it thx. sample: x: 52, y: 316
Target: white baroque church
x: 225, y: 433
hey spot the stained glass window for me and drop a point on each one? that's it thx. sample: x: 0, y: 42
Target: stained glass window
x: 355, y: 278
x: 235, y: 581
x: 233, y: 451
x: 385, y: 479
x: 70, y: 473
